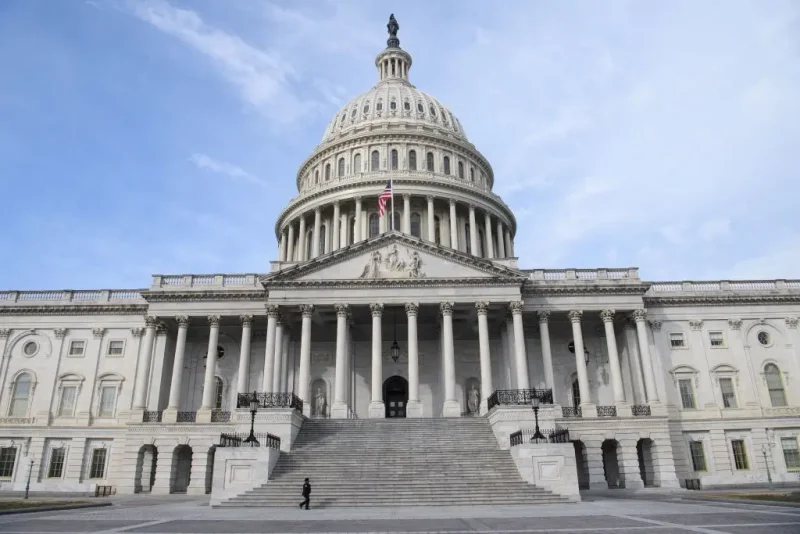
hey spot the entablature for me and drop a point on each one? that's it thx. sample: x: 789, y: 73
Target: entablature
x: 723, y: 293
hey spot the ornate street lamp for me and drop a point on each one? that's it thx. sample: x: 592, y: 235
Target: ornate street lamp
x: 535, y: 405
x: 251, y: 439
x: 395, y: 350
x: 28, y: 485
x: 764, y: 450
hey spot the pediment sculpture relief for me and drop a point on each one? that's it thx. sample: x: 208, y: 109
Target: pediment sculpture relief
x: 389, y: 264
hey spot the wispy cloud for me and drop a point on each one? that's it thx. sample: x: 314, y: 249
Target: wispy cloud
x: 202, y: 161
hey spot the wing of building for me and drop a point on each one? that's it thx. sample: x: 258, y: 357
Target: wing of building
x: 423, y: 313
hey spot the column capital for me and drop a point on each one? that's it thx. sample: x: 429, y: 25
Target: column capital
x: 544, y: 316
x: 575, y: 316
x: 607, y: 315
x: 406, y: 196
x: 98, y: 333
x: 213, y: 320
x: 317, y: 210
x: 412, y: 308
x: 247, y: 320
x: 482, y: 307
x: 341, y: 310
x: 61, y: 332
x: 376, y: 308
x: 336, y: 203
x: 307, y: 310
x: 358, y: 199
x: 446, y: 308
x: 452, y: 202
x: 656, y: 325
x: 639, y: 314
x: 516, y: 307
x: 279, y: 319
x: 791, y: 322
x: 182, y: 320
x: 430, y: 198
x: 472, y: 208
x: 161, y: 329
x: 135, y: 332
x: 272, y: 310
x: 150, y: 321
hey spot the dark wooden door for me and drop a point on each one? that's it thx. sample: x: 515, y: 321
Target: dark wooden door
x: 395, y: 396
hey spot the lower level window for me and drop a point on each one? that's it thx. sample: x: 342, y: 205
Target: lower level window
x: 98, y: 467
x: 740, y: 454
x: 698, y: 456
x: 8, y: 455
x: 790, y: 453
x: 687, y: 394
x: 56, y: 468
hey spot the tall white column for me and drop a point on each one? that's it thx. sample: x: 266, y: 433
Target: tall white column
x: 284, y: 386
x: 487, y: 219
x: 452, y: 407
x: 301, y: 240
x: 304, y: 372
x: 211, y: 364
x: 357, y: 231
x: 146, y: 355
x: 577, y: 338
x: 644, y: 353
x: 511, y: 351
x: 547, y: 355
x: 431, y: 221
x: 339, y: 408
x: 278, y: 360
x: 613, y: 356
x: 453, y: 226
x: 317, y: 228
x: 406, y: 214
x: 243, y: 383
x: 414, y: 406
x: 337, y: 223
x: 486, y: 361
x: 282, y: 247
x: 520, y: 354
x: 177, y: 364
x: 269, y: 351
x: 473, y: 231
x: 501, y: 246
x: 377, y: 409
x: 290, y: 244
x: 509, y: 245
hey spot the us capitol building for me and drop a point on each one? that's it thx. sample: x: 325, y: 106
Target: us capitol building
x: 427, y: 316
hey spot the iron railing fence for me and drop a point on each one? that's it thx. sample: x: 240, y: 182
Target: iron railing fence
x: 238, y: 439
x: 640, y: 410
x: 519, y: 397
x: 557, y: 435
x: 220, y: 416
x: 152, y: 417
x: 187, y: 417
x: 571, y: 411
x: 606, y: 411
x: 270, y: 400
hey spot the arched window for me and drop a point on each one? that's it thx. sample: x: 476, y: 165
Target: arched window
x: 341, y: 167
x: 379, y: 105
x: 20, y: 396
x: 437, y: 229
x: 397, y: 224
x: 366, y: 107
x: 777, y: 395
x: 392, y: 105
x: 374, y: 226
x: 412, y: 160
x: 323, y: 231
x: 471, y: 174
x: 467, y: 239
x: 327, y: 171
x: 461, y: 169
x: 481, y: 241
x: 420, y: 108
x: 219, y: 388
x: 576, y: 393
x: 356, y: 163
x: 416, y: 225
x: 309, y: 244
x: 432, y: 110
x: 316, y: 177
x: 429, y: 162
x: 407, y: 105
x: 447, y: 164
x: 394, y: 160
x: 376, y: 161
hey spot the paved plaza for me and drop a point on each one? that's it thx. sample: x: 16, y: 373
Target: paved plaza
x: 659, y: 515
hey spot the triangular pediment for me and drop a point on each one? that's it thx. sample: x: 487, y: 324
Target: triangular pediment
x: 394, y: 256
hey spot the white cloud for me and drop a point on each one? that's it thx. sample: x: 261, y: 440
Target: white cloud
x: 230, y: 170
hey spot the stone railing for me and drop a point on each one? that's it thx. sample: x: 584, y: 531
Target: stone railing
x: 99, y: 296
x: 205, y: 281
x: 552, y: 275
x: 606, y: 411
x: 17, y: 420
x: 721, y: 286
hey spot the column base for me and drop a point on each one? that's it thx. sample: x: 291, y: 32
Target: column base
x: 137, y: 415
x: 170, y: 415
x: 377, y: 410
x: 452, y: 408
x: 656, y: 408
x: 339, y: 410
x: 588, y: 410
x: 203, y: 415
x: 623, y: 409
x: 414, y: 409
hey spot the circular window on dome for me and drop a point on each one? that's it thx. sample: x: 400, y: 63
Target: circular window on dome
x: 220, y: 352
x: 407, y: 105
x: 379, y: 106
x: 30, y: 348
x: 764, y: 339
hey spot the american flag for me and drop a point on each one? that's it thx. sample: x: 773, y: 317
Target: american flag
x: 386, y: 195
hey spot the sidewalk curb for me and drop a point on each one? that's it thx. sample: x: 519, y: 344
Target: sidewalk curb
x: 729, y: 500
x: 55, y: 508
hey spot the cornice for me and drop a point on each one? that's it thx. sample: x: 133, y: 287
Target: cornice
x: 187, y: 296
x: 567, y: 290
x: 410, y: 283
x: 84, y: 309
x: 719, y: 300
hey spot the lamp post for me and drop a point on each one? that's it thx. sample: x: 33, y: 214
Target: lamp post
x: 28, y: 485
x: 764, y: 449
x: 251, y: 439
x: 535, y: 405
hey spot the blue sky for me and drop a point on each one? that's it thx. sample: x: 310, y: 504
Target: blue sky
x: 141, y: 137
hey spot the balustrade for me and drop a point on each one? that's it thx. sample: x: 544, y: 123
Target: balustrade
x: 240, y: 440
x: 270, y: 400
x: 525, y: 435
x: 519, y: 397
x: 186, y: 417
x: 639, y: 410
x: 152, y: 417
x: 606, y: 411
x: 571, y: 411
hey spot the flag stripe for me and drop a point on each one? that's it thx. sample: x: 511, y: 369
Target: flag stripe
x: 385, y: 195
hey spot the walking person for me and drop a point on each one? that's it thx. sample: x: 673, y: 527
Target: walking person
x: 306, y: 494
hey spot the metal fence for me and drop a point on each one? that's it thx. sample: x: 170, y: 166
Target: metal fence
x: 558, y: 435
x: 239, y: 440
x: 270, y: 400
x: 519, y: 397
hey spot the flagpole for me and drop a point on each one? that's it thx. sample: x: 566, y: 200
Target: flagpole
x: 391, y: 186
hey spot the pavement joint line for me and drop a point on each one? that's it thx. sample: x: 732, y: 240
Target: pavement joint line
x: 691, y: 528
x: 130, y: 527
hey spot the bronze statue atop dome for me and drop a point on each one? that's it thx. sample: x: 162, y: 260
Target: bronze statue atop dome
x: 393, y: 26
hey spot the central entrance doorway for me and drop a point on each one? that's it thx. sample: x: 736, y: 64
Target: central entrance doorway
x: 395, y: 396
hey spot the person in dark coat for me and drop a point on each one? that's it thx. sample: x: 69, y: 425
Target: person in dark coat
x: 306, y: 494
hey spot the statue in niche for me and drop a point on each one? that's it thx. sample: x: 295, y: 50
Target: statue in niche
x: 473, y: 399
x: 319, y: 408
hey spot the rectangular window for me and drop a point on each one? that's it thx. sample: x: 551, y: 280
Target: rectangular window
x: 698, y: 455
x: 98, y: 467
x: 716, y: 339
x: 115, y: 348
x: 77, y: 348
x: 687, y: 394
x: 8, y: 455
x: 56, y: 468
x: 790, y: 453
x: 676, y: 340
x: 739, y: 454
x: 67, y: 404
x: 108, y: 398
x: 728, y: 396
